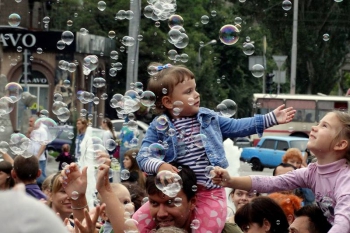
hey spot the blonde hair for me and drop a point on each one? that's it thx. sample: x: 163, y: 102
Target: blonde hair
x: 344, y: 133
x: 167, y: 79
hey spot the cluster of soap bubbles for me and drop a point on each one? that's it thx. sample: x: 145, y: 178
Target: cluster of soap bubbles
x: 60, y: 108
x: 177, y: 34
x: 174, y: 56
x: 227, y: 108
x: 159, y: 9
x: 90, y: 63
x: 169, y: 183
x: 13, y: 93
x: 122, y: 14
x: 69, y: 66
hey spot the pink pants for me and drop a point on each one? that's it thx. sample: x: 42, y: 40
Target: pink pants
x: 211, y: 211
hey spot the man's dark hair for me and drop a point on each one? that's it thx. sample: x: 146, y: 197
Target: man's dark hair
x: 282, y: 165
x: 318, y: 222
x: 26, y: 168
x: 188, y: 181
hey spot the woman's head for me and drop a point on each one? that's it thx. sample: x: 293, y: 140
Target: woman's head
x: 107, y: 124
x: 163, y: 82
x: 331, y: 136
x: 60, y: 202
x: 6, y: 180
x: 130, y: 160
x: 241, y: 197
x: 293, y: 156
x: 290, y: 203
x: 82, y: 124
x: 262, y: 214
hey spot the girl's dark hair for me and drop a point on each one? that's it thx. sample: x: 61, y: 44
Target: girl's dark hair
x: 260, y: 209
x: 109, y: 124
x: 131, y: 154
x: 6, y: 167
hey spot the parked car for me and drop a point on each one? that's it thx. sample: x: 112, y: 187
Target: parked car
x: 270, y: 150
x: 61, y: 139
x: 141, y: 126
x: 242, y: 142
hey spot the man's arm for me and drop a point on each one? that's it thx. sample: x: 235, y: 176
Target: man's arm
x: 41, y: 150
x: 6, y: 157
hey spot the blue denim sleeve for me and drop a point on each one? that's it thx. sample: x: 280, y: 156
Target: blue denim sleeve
x: 241, y: 127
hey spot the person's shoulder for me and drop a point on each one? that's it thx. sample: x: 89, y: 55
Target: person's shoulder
x: 231, y: 228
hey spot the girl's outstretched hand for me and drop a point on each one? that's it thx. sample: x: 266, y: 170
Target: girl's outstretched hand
x: 73, y: 180
x: 284, y: 115
x: 221, y: 176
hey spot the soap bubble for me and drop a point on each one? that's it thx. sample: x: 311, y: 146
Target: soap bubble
x: 157, y: 151
x: 175, y: 20
x: 46, y: 19
x: 227, y: 108
x: 101, y: 5
x: 60, y: 45
x: 6, y: 105
x: 128, y: 41
x: 258, y: 70
x: 130, y: 226
x: 18, y: 143
x: 326, y: 37
x: 4, y: 146
x: 14, y: 91
x: 64, y: 114
x: 209, y: 172
x: 162, y: 123
x: 45, y: 130
x: 111, y: 34
x: 178, y: 201
x: 168, y: 182
x: 238, y: 20
x: 67, y: 37
x: 286, y: 5
x: 124, y: 174
x: 229, y: 34
x: 248, y: 49
x: 205, y: 19
x: 199, y: 140
x: 195, y: 224
x: 57, y: 105
x: 14, y: 20
x: 74, y: 195
x: 148, y: 98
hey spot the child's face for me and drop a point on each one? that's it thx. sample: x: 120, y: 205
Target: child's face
x: 295, y: 162
x: 186, y: 97
x: 322, y: 135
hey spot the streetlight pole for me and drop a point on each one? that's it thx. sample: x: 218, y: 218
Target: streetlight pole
x: 294, y: 48
x: 199, y: 52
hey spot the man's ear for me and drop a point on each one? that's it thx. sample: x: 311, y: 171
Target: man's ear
x: 38, y: 174
x: 290, y: 219
x: 13, y: 174
x: 193, y: 202
x: 166, y: 101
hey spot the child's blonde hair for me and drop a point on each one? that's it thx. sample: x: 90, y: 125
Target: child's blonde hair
x: 344, y: 133
x: 167, y: 79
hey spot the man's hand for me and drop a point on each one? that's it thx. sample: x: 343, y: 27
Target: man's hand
x: 284, y: 115
x: 168, y: 167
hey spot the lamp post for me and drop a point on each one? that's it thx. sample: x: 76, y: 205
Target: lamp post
x: 199, y: 52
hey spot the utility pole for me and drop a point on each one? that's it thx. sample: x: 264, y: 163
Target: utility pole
x: 264, y: 61
x: 133, y: 51
x: 294, y: 48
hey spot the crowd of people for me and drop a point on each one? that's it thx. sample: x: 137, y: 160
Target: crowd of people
x: 180, y: 188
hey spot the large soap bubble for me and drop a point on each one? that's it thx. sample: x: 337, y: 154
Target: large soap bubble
x: 229, y: 34
x: 14, y: 91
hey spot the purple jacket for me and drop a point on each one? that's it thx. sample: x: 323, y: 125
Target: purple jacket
x: 330, y: 183
x: 34, y: 191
